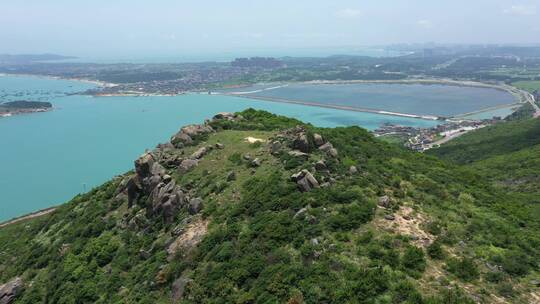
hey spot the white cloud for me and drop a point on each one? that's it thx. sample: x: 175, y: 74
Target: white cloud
x: 425, y: 23
x: 349, y: 13
x: 521, y: 10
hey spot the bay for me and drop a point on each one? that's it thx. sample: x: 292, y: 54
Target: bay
x: 47, y: 158
x: 419, y: 99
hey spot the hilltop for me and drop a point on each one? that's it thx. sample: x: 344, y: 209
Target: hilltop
x: 256, y: 208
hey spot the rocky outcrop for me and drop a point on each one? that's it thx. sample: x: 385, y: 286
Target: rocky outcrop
x: 275, y: 148
x: 164, y: 197
x: 195, y: 205
x: 318, y: 140
x: 188, y: 134
x: 321, y: 166
x: 226, y: 116
x: 181, y: 140
x: 167, y: 199
x: 329, y: 149
x: 385, y: 201
x: 301, y: 143
x: 298, y: 154
x: 195, y: 130
x: 256, y: 162
x: 10, y: 290
x: 305, y: 181
x: 296, y: 139
x: 187, y: 165
x: 231, y: 176
x: 200, y: 153
x: 148, y: 175
x: 178, y: 288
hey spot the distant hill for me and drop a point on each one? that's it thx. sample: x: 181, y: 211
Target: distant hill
x: 29, y: 58
x: 257, y: 208
x: 507, y: 154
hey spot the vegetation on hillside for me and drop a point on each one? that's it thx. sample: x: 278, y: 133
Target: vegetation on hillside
x: 386, y: 225
x: 499, y: 139
x: 530, y: 86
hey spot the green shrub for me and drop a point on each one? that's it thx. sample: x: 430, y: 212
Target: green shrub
x: 494, y: 276
x: 235, y: 158
x: 516, y: 263
x: 465, y: 269
x: 436, y: 251
x: 413, y: 259
x: 505, y: 289
x: 351, y: 216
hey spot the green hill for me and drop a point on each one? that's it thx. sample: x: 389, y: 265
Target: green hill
x: 499, y: 139
x: 257, y: 208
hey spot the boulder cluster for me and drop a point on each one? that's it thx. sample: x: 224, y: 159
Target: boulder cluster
x: 187, y: 134
x: 300, y: 145
x: 305, y: 180
x: 163, y: 196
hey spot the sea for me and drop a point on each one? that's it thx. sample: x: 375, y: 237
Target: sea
x: 47, y: 158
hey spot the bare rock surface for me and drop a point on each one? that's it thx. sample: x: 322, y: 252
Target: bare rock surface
x: 10, y: 290
x: 305, y: 180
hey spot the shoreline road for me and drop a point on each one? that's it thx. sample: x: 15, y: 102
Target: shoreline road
x: 532, y: 101
x: 525, y: 97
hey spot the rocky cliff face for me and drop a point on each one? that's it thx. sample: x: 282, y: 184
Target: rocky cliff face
x: 163, y: 197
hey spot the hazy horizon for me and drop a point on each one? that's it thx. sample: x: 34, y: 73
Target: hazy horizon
x: 167, y: 28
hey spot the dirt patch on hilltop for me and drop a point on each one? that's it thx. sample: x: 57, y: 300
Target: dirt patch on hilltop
x: 408, y: 222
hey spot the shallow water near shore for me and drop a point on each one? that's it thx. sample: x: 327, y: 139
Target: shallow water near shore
x: 47, y: 158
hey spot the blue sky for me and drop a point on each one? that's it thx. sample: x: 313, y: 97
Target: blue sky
x: 165, y: 27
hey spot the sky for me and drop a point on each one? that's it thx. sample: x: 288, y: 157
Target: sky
x: 100, y: 28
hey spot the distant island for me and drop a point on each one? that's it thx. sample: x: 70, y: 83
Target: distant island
x: 23, y: 106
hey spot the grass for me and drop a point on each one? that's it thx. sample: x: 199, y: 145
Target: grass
x: 530, y: 86
x: 397, y: 139
x: 499, y: 139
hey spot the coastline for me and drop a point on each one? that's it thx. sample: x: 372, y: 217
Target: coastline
x: 17, y: 112
x: 28, y: 216
x: 83, y: 80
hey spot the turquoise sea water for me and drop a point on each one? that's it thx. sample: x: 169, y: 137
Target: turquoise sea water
x: 47, y: 158
x: 433, y: 99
